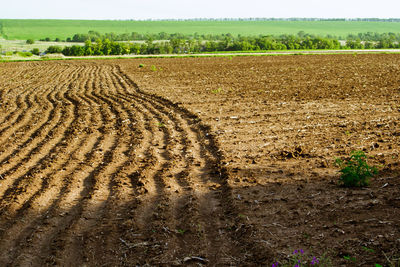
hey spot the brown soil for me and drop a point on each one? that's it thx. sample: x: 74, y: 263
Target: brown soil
x: 198, y: 161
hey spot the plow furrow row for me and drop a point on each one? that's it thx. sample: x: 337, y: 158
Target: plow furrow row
x: 93, y: 170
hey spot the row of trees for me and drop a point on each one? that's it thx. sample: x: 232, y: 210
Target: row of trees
x: 180, y: 46
x: 134, y: 36
x: 382, y: 44
x: 374, y: 36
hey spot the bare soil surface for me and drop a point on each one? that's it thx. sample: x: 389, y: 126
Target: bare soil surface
x: 198, y: 161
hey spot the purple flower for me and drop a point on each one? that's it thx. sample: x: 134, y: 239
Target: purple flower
x: 314, y: 261
x: 297, y: 265
x: 301, y: 251
x: 295, y: 252
x: 275, y: 264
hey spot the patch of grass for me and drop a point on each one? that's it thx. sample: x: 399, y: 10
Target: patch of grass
x: 355, y: 171
x: 24, y: 54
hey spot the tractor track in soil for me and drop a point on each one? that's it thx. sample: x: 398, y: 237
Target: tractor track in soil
x: 95, y: 171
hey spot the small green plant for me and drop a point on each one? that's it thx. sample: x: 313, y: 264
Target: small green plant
x: 180, y: 231
x: 141, y: 65
x: 153, y: 68
x: 217, y: 91
x: 350, y: 258
x: 30, y: 41
x: 160, y: 124
x: 368, y: 249
x: 355, y: 171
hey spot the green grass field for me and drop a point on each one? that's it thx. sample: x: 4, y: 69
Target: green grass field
x: 37, y: 29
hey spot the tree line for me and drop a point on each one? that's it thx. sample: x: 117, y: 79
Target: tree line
x: 134, y: 36
x: 182, y: 46
x: 374, y: 36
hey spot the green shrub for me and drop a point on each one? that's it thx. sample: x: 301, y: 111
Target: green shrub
x: 30, y: 41
x: 35, y: 51
x: 355, y: 171
x: 24, y: 54
x: 54, y: 49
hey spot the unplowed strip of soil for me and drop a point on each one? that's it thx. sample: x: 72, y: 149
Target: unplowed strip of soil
x: 280, y: 123
x: 95, y: 171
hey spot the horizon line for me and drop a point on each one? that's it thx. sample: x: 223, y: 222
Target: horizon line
x: 229, y: 19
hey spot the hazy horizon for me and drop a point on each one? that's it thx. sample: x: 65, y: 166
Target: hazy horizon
x: 178, y: 9
x: 210, y: 18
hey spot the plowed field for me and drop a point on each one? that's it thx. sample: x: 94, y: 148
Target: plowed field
x: 212, y: 161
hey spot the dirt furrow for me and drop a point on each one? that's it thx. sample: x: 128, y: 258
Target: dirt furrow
x: 32, y: 208
x: 20, y: 118
x: 112, y: 175
x: 35, y: 131
x: 20, y: 173
x: 152, y: 176
x: 67, y: 145
x: 111, y: 192
x: 158, y: 181
x: 195, y: 202
x: 98, y: 204
x: 63, y: 184
x: 13, y: 91
x: 24, y: 109
x: 131, y: 186
x: 76, y: 195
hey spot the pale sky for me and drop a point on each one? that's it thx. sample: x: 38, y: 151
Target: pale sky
x: 164, y: 9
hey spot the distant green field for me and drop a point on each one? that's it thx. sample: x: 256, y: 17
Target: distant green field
x: 38, y: 29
